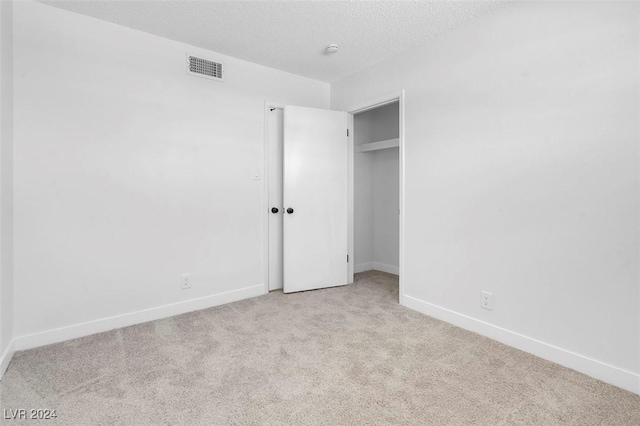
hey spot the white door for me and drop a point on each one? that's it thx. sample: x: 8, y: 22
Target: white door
x: 275, y: 197
x: 315, y: 198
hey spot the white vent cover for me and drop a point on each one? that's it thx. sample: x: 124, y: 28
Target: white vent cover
x: 204, y: 68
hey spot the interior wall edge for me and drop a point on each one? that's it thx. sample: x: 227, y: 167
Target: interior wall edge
x: 610, y: 374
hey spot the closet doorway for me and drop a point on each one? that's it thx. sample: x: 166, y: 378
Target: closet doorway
x: 377, y: 186
x: 373, y: 179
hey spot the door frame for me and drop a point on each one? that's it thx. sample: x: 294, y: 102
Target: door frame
x: 375, y: 103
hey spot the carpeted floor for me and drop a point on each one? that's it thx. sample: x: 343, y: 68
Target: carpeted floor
x: 341, y: 356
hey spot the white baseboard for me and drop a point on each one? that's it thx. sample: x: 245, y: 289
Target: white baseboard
x: 105, y: 324
x: 376, y: 266
x: 5, y: 358
x: 389, y: 269
x: 624, y: 379
x: 362, y: 267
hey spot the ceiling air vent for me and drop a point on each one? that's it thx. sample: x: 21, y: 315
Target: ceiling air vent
x: 204, y: 68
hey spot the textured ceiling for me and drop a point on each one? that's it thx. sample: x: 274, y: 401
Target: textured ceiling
x: 292, y: 35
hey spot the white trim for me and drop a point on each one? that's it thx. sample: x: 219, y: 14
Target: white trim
x: 401, y: 198
x: 377, y: 266
x: 363, y: 267
x: 350, y: 177
x: 5, y: 359
x: 624, y: 379
x: 375, y: 103
x: 105, y: 324
x: 389, y: 269
x: 265, y: 198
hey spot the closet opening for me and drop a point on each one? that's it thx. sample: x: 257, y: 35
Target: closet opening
x: 377, y: 189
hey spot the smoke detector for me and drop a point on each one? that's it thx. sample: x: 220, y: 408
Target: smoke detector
x: 332, y: 48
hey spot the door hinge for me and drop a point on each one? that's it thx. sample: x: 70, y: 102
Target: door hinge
x: 347, y: 258
x: 347, y: 132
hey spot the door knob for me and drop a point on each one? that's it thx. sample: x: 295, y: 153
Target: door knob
x: 289, y: 210
x: 274, y: 210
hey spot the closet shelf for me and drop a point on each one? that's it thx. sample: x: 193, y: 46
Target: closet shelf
x: 374, y: 146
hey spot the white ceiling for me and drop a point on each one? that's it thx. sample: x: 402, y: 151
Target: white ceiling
x: 292, y: 35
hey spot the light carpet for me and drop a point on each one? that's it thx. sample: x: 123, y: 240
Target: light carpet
x: 342, y: 356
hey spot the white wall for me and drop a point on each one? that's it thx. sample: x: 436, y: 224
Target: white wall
x: 362, y: 194
x: 386, y: 223
x: 6, y: 184
x: 129, y: 173
x: 376, y: 220
x: 521, y: 133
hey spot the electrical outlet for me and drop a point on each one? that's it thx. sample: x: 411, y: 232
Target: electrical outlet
x: 486, y: 300
x: 185, y: 281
